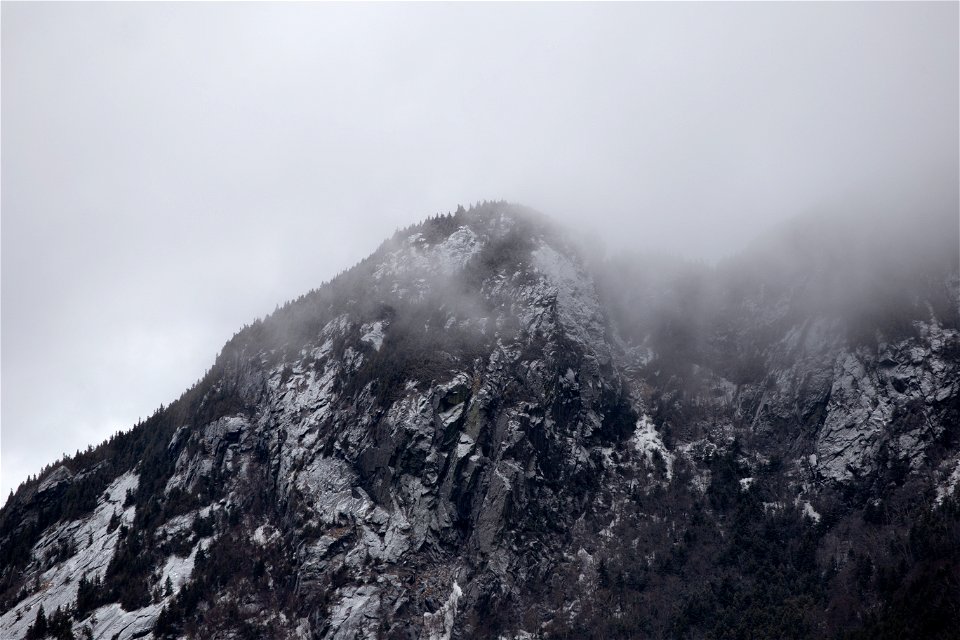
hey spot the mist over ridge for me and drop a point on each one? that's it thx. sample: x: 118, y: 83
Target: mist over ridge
x: 487, y: 403
x: 480, y: 321
x: 150, y: 146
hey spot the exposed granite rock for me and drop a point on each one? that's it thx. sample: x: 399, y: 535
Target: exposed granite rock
x: 466, y: 442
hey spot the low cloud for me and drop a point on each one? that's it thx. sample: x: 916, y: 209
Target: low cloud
x: 172, y: 171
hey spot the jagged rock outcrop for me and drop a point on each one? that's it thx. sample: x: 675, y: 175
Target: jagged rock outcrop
x: 473, y: 434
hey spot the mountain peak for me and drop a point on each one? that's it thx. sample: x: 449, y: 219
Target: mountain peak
x: 475, y: 432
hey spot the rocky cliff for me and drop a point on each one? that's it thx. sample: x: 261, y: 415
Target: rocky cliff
x: 483, y: 431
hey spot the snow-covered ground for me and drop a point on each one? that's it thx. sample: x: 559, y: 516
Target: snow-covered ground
x: 94, y: 546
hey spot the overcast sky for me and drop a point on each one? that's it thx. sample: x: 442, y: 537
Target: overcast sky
x: 172, y: 171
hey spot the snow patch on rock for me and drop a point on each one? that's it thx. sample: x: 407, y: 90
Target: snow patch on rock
x: 810, y: 512
x: 444, y: 258
x: 856, y: 417
x: 949, y: 486
x: 178, y: 569
x: 452, y: 414
x: 439, y: 624
x: 355, y: 615
x: 373, y: 334
x: 577, y: 301
x: 265, y: 534
x: 647, y: 441
x: 111, y: 621
x: 94, y: 546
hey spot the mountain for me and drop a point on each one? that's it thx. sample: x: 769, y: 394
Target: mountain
x: 485, y: 430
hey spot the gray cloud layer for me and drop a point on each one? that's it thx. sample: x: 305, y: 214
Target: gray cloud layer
x: 171, y: 171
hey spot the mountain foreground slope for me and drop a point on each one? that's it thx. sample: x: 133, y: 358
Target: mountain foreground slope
x: 482, y: 430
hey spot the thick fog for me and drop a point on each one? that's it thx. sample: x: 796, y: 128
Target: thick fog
x: 172, y: 171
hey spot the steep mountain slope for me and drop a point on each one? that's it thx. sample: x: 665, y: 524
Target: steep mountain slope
x: 481, y: 431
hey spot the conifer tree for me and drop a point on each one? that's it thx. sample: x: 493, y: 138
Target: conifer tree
x: 39, y: 627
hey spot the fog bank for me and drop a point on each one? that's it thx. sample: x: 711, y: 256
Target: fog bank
x: 171, y: 171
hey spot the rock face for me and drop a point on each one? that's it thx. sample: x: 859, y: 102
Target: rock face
x: 480, y: 432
